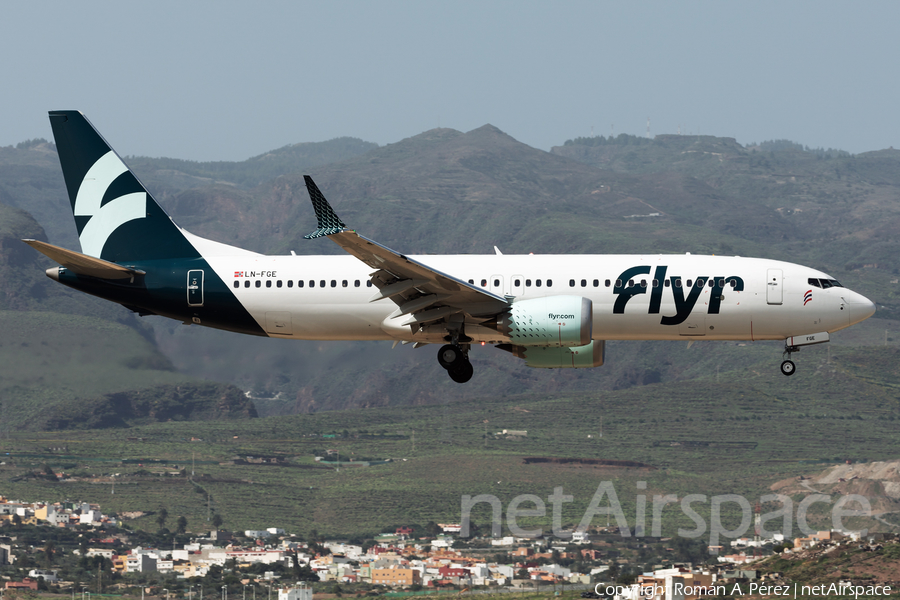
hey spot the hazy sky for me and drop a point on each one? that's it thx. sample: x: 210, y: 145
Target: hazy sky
x: 229, y: 80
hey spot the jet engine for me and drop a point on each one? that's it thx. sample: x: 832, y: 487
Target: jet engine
x: 553, y: 321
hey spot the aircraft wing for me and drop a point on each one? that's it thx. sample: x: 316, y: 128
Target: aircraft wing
x: 83, y: 264
x: 423, y: 293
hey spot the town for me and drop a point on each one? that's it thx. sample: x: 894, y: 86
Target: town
x: 73, y: 547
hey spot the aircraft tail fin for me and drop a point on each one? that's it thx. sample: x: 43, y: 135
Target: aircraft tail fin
x: 117, y: 218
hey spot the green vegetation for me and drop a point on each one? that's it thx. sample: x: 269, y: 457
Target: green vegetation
x: 704, y: 435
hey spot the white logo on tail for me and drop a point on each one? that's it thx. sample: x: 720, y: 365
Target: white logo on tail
x: 109, y: 217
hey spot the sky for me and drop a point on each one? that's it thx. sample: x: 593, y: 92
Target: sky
x: 229, y: 80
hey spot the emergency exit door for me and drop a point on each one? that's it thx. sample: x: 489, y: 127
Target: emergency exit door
x: 774, y: 286
x: 195, y: 287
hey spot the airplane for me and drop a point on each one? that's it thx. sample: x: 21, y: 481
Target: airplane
x: 552, y: 311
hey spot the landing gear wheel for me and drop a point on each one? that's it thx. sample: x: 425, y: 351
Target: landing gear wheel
x: 788, y: 368
x: 462, y: 372
x: 450, y: 356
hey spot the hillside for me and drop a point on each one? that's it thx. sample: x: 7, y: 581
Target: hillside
x: 71, y: 360
x: 449, y: 191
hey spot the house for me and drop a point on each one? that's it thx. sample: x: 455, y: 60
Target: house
x: 48, y: 576
x: 396, y: 576
x: 138, y: 563
x: 303, y: 592
x: 26, y: 584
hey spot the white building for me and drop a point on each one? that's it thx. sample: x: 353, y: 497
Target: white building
x: 303, y: 592
x: 137, y: 563
x: 257, y: 533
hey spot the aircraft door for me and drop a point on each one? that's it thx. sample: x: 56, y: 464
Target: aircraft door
x: 774, y: 286
x: 195, y: 287
x: 515, y: 285
x: 496, y: 284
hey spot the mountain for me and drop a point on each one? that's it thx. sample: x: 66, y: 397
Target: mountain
x: 71, y: 360
x: 446, y: 191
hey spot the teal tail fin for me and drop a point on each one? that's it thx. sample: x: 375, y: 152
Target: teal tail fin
x: 117, y: 218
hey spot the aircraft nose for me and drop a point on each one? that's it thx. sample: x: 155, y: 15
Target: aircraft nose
x: 861, y: 308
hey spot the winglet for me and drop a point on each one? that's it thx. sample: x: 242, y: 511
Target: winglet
x: 329, y: 222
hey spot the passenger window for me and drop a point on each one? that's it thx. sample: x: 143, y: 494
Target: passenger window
x: 247, y: 283
x: 584, y: 283
x: 643, y: 283
x: 471, y: 282
x: 631, y: 283
x: 656, y: 283
x: 299, y: 283
x: 571, y: 283
x: 237, y: 283
x: 527, y: 283
x: 549, y: 283
x: 356, y: 283
x: 368, y: 284
x: 618, y: 283
x: 290, y: 283
x: 321, y: 283
x: 517, y: 282
x: 597, y: 283
x: 537, y: 282
x: 678, y: 282
x: 258, y: 283
x: 333, y: 283
x: 733, y: 283
x: 496, y: 283
x: 483, y: 282
x: 312, y: 283
x: 667, y: 283
x: 268, y: 283
x: 607, y: 283
x: 278, y: 283
x: 689, y: 283
x: 344, y: 283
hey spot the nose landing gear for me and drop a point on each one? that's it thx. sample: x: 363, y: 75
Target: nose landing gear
x: 788, y: 367
x: 455, y: 359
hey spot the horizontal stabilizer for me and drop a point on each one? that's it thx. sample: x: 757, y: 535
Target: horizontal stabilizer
x: 83, y: 264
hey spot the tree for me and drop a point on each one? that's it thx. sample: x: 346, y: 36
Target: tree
x: 182, y: 524
x: 217, y: 520
x: 49, y: 551
x: 161, y: 517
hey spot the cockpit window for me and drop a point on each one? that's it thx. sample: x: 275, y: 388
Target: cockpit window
x: 827, y: 283
x: 835, y: 283
x: 813, y: 282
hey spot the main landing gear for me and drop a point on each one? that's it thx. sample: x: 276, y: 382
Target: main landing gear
x: 788, y: 367
x: 455, y: 358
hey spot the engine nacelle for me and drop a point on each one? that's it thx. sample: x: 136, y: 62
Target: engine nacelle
x: 580, y: 357
x: 554, y: 321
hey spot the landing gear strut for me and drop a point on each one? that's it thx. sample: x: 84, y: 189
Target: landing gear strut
x: 788, y: 367
x: 454, y: 358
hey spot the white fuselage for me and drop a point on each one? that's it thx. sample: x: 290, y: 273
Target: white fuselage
x: 778, y: 299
